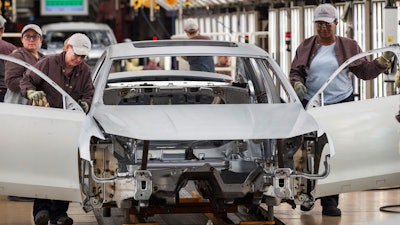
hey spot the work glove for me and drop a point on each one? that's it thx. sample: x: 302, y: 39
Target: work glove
x: 84, y: 105
x: 385, y: 58
x: 397, y: 79
x: 300, y: 89
x: 35, y: 95
x: 41, y: 102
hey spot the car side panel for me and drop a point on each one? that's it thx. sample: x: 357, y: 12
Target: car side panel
x: 39, y: 152
x: 365, y: 136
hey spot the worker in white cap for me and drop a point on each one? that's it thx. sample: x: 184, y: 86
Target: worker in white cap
x: 69, y: 70
x: 316, y: 59
x: 5, y: 48
x: 197, y: 63
x: 31, y: 39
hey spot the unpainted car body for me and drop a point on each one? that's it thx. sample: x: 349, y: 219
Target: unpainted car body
x: 242, y: 139
x: 369, y: 124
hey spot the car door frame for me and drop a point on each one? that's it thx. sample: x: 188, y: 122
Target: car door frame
x: 365, y: 136
x: 40, y: 147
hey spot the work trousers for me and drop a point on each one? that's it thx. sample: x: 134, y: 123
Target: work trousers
x: 2, y: 94
x: 332, y: 200
x: 56, y: 208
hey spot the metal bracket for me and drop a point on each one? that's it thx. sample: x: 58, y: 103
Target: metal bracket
x: 142, y: 185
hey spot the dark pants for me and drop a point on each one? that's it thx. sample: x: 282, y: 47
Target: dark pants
x: 56, y: 208
x: 332, y: 200
x: 2, y: 94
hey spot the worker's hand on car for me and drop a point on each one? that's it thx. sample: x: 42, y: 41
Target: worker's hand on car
x: 300, y: 89
x: 84, y: 105
x: 386, y: 58
x: 388, y: 55
x: 397, y: 79
x: 35, y: 95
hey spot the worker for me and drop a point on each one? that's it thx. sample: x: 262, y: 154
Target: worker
x: 31, y: 39
x: 197, y: 63
x: 317, y: 58
x: 69, y: 70
x: 223, y: 64
x: 152, y: 64
x: 5, y: 48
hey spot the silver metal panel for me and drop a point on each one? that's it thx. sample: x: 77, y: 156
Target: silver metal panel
x: 365, y: 136
x: 205, y: 122
x: 39, y: 152
x: 125, y: 49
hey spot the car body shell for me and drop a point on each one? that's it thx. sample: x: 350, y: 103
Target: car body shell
x: 41, y: 144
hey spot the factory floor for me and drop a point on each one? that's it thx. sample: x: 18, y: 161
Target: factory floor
x: 357, y: 208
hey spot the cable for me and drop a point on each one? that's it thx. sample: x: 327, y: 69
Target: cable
x: 162, y: 26
x: 386, y: 208
x: 149, y: 23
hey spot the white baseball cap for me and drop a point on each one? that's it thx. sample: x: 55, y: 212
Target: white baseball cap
x: 80, y: 43
x: 33, y: 27
x: 155, y: 59
x: 326, y: 13
x: 190, y: 25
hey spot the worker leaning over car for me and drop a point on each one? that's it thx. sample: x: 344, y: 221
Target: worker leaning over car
x: 31, y: 39
x: 69, y: 70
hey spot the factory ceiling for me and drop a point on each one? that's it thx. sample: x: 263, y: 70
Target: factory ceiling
x: 176, y: 5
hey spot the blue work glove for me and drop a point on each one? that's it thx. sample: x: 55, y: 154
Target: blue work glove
x: 35, y: 95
